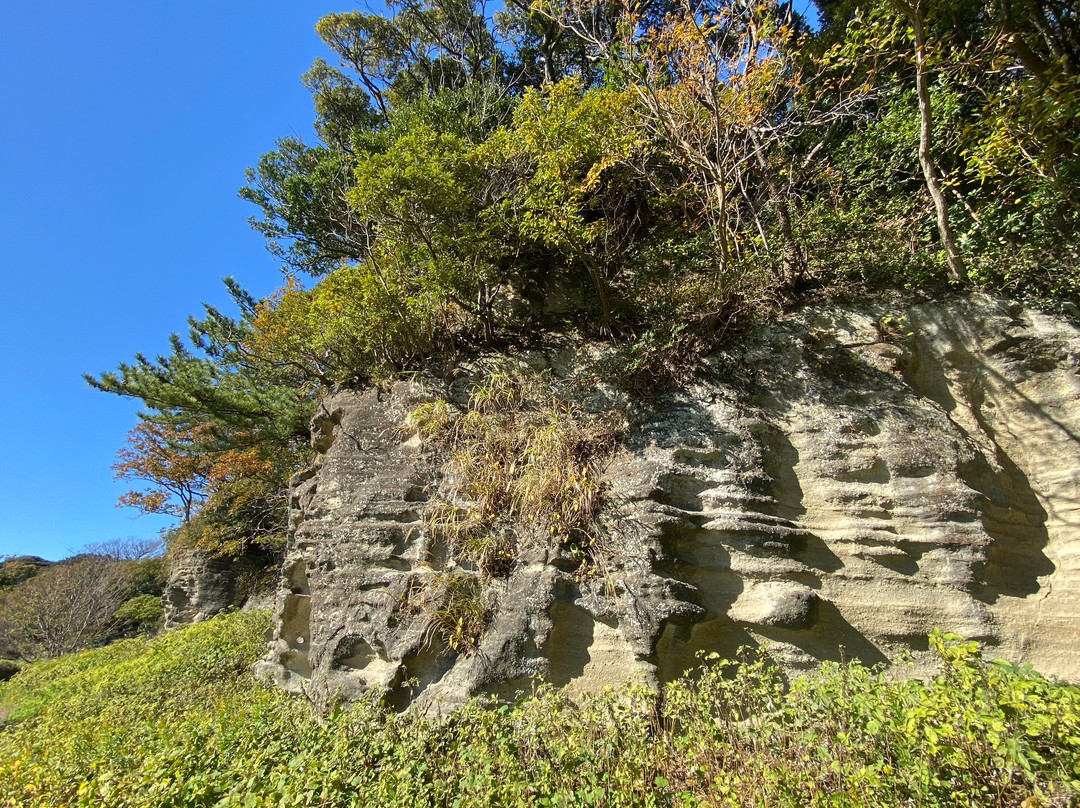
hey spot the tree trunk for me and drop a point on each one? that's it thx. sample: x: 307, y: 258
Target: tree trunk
x: 915, y: 13
x: 792, y: 262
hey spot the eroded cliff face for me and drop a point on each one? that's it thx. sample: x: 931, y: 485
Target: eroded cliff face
x: 200, y: 585
x: 837, y: 485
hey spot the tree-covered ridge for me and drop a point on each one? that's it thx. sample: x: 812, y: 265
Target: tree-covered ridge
x: 643, y: 172
x: 106, y: 591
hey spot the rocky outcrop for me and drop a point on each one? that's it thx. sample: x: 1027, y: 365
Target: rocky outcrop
x: 836, y: 485
x: 200, y: 585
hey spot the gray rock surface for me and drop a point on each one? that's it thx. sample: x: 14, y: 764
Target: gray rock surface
x: 774, y: 603
x: 200, y: 585
x: 835, y: 485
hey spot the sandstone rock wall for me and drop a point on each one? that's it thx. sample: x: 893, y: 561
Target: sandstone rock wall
x: 200, y: 585
x: 836, y: 485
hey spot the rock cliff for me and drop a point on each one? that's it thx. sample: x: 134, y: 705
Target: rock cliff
x: 837, y: 483
x: 200, y: 585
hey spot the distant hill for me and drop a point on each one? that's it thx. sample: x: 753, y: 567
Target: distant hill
x: 16, y: 569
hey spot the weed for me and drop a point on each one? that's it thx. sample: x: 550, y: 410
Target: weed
x: 179, y: 721
x: 527, y: 460
x: 429, y: 418
x: 463, y: 611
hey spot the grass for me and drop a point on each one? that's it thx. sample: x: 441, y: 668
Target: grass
x: 178, y: 721
x: 525, y: 454
x: 526, y: 461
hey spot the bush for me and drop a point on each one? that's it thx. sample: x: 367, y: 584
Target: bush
x: 143, y: 613
x: 179, y: 721
x: 68, y: 606
x: 8, y: 668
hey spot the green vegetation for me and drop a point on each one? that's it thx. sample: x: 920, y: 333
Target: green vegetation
x: 646, y: 174
x: 178, y: 720
x: 527, y: 461
x: 223, y: 431
x: 649, y: 174
x: 16, y: 569
x: 107, y: 591
x: 528, y: 458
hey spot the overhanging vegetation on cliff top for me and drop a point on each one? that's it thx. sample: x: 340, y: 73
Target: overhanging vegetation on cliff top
x: 646, y: 172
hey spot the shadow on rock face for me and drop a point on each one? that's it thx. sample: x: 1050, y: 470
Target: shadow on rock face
x: 831, y: 638
x: 891, y: 475
x: 682, y: 645
x: 1011, y: 512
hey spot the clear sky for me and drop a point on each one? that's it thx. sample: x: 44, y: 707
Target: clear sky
x: 125, y: 128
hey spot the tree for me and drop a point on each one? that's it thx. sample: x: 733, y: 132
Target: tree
x: 131, y: 548
x: 242, y: 398
x: 421, y: 47
x: 915, y: 11
x: 429, y: 221
x: 542, y: 52
x: 440, y: 62
x: 982, y: 102
x: 714, y: 86
x: 169, y: 458
x: 229, y: 396
x: 1044, y: 35
x: 247, y: 501
x: 238, y: 493
x: 565, y: 151
x: 300, y: 190
x: 67, y: 607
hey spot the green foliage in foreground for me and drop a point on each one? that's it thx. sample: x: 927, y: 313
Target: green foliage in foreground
x: 178, y: 721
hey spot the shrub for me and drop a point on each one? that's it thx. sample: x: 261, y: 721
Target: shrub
x: 143, y: 613
x: 179, y: 721
x: 528, y: 458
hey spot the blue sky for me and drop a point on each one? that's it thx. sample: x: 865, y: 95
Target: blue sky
x: 126, y: 130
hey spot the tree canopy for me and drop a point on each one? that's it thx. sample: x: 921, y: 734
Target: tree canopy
x: 642, y: 172
x: 105, y: 591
